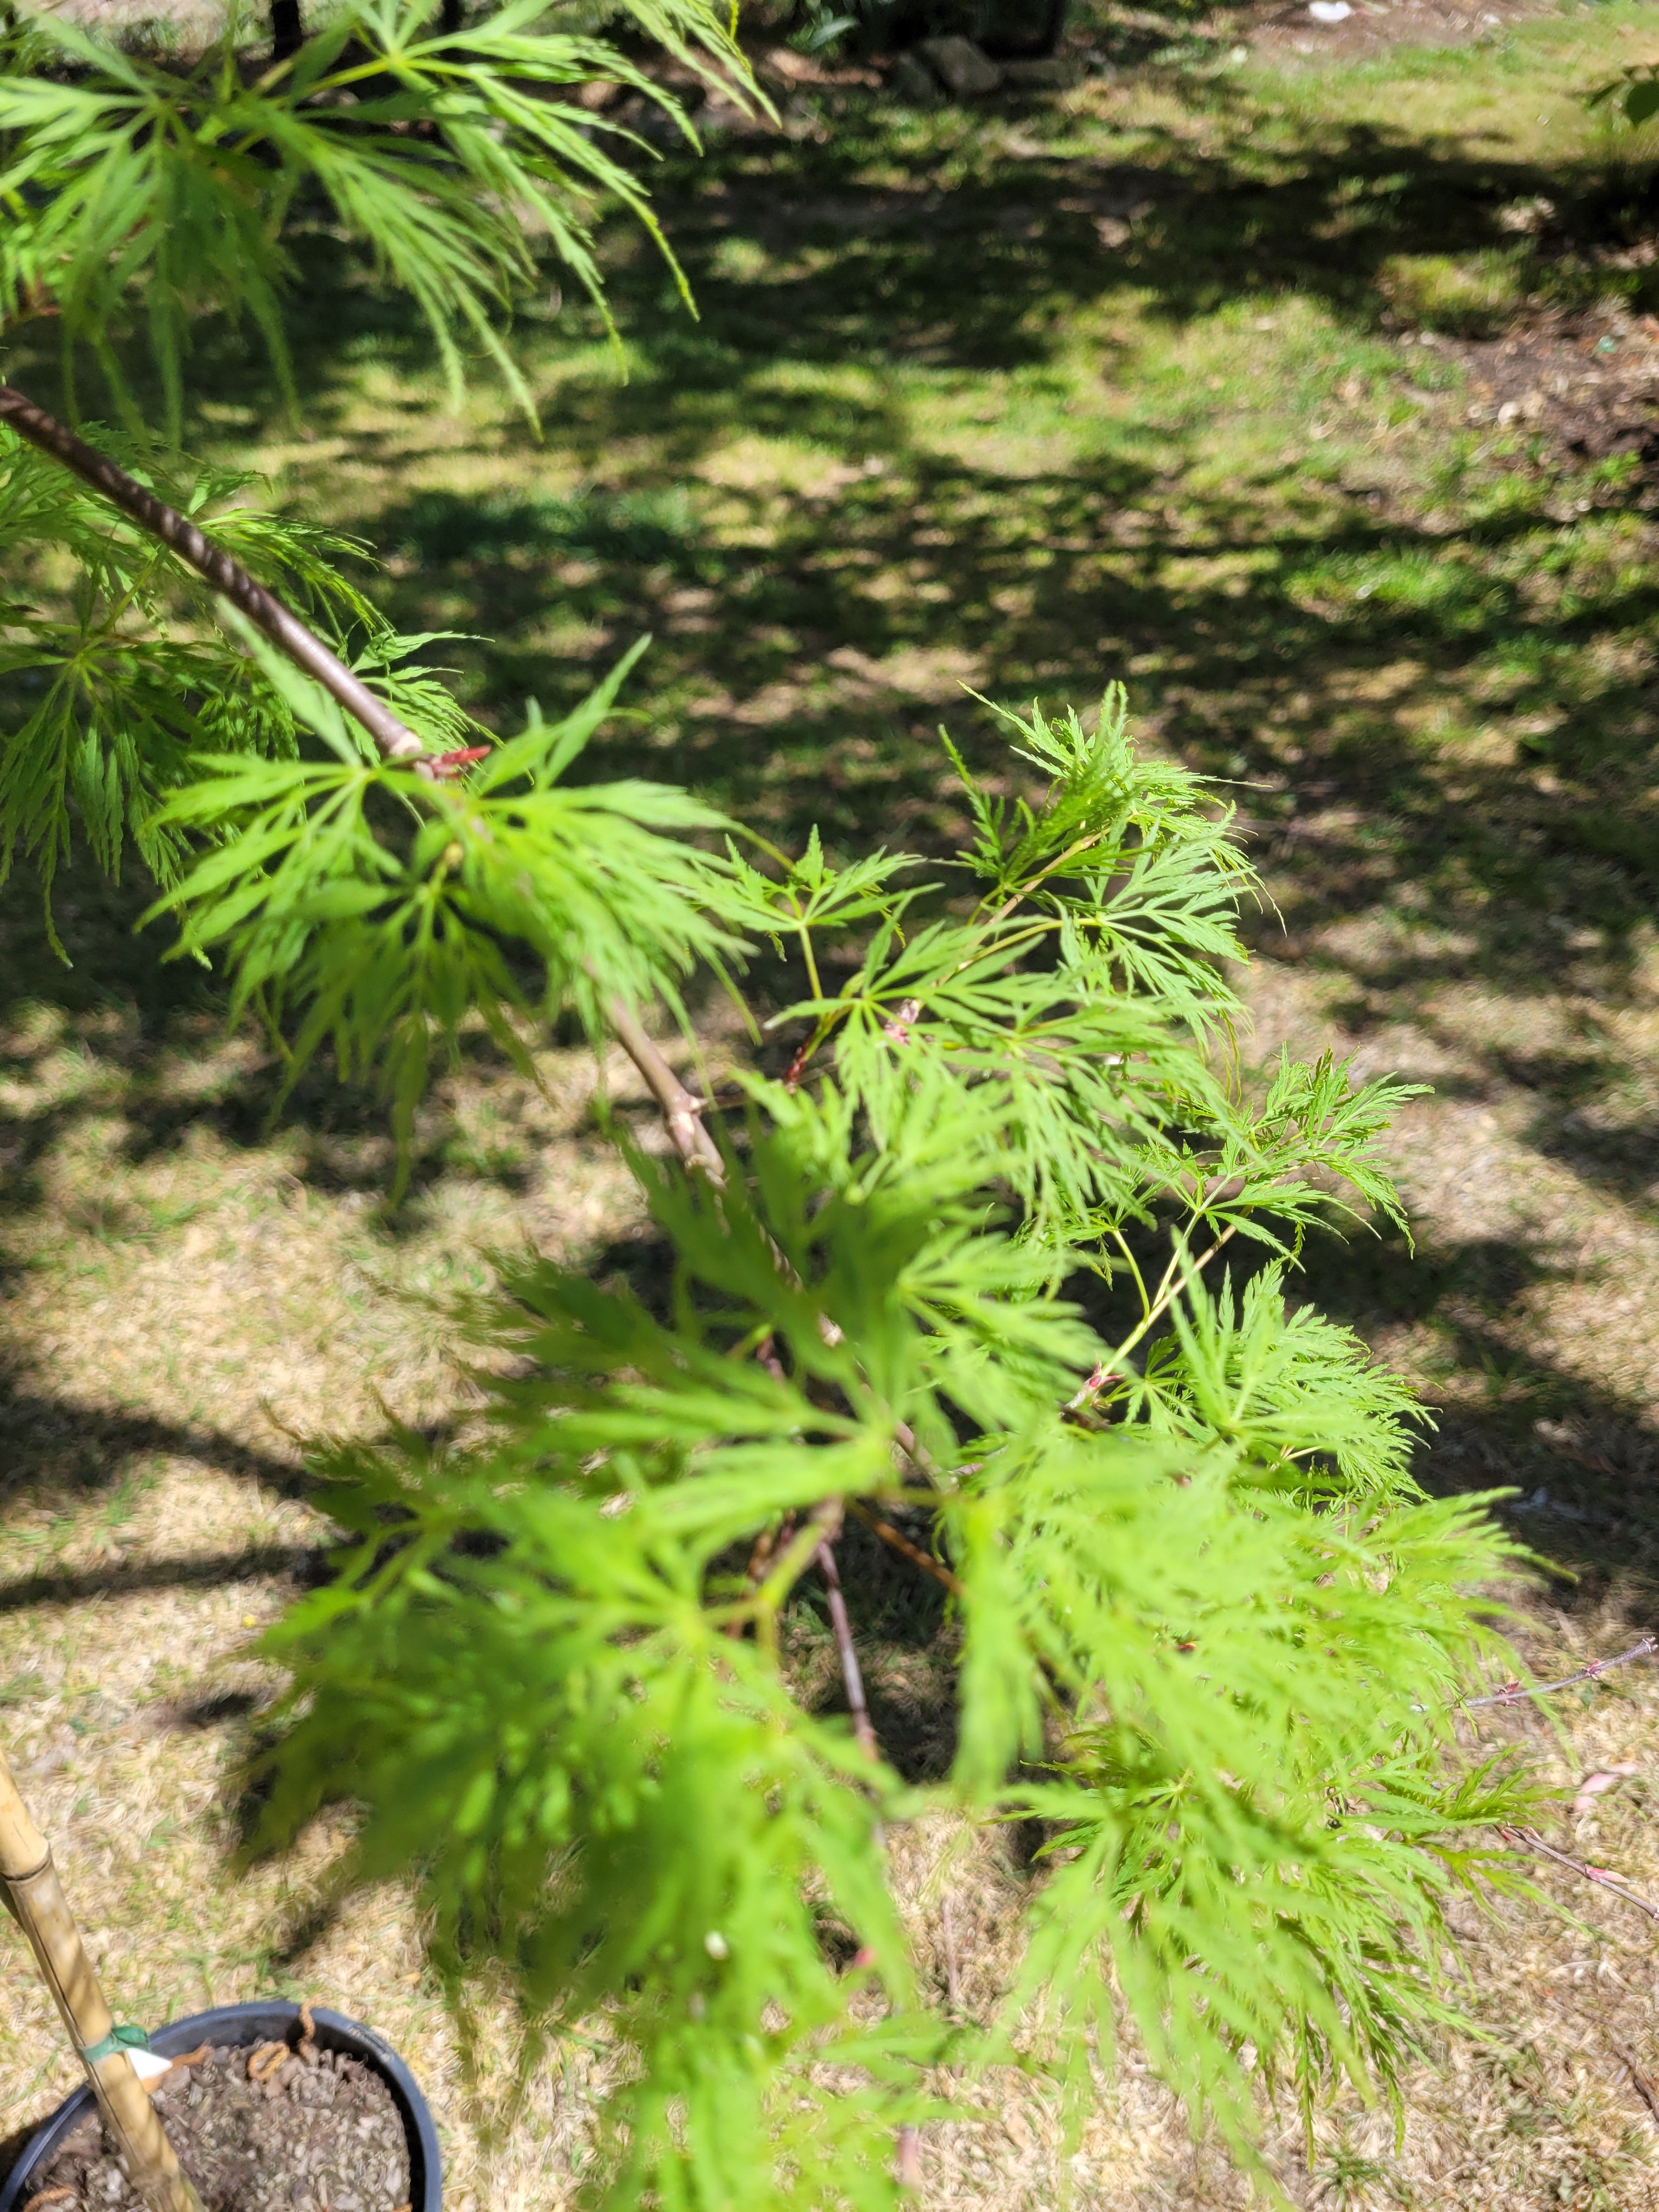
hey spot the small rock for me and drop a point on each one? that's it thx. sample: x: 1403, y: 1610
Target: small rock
x: 911, y: 81
x: 1329, y: 11
x: 957, y: 63
x: 1051, y: 74
x: 1526, y: 216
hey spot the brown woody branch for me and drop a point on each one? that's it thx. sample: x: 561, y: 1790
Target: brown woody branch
x: 681, y: 1108
x: 1517, y: 1693
x: 901, y: 1543
x: 393, y: 739
x: 1603, y: 1877
x: 851, y: 1674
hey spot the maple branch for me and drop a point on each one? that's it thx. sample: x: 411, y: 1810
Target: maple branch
x: 1515, y: 1694
x: 394, y: 740
x: 1174, y: 1282
x: 681, y: 1110
x: 901, y: 1544
x: 1601, y: 1876
x: 851, y: 1675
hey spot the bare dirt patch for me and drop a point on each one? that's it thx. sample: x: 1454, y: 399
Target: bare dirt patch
x: 1590, y: 384
x: 1374, y: 26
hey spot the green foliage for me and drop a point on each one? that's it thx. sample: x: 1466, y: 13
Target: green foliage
x: 645, y: 1824
x: 1284, y: 1383
x: 375, y: 904
x: 1634, y: 92
x: 445, y: 154
x: 959, y: 1263
x: 1210, y: 1633
x: 128, y: 691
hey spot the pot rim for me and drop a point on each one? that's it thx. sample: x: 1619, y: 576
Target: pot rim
x: 264, y: 2019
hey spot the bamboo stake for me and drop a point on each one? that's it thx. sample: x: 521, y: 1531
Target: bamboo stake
x: 36, y: 1897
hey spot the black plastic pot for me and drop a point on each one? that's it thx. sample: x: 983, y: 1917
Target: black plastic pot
x: 268, y: 2022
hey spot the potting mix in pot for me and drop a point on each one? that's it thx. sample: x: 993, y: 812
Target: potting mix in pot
x: 257, y: 2129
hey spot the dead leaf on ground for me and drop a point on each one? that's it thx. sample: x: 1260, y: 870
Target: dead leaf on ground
x: 1597, y: 1783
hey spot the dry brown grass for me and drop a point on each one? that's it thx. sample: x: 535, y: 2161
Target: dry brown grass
x: 185, y: 1312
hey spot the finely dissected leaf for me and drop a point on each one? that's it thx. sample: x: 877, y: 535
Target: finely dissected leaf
x: 441, y: 153
x: 1256, y: 1833
x: 140, y: 687
x: 1204, y: 1626
x: 375, y: 907
x: 1313, y: 1410
x: 1254, y: 1828
x: 1209, y: 1630
x: 122, y: 709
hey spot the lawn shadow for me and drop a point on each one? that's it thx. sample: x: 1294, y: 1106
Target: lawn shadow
x: 59, y: 1444
x: 1291, y: 629
x: 117, y: 1033
x: 1579, y: 1456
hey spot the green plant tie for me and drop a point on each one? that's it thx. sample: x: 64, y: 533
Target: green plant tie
x: 118, y: 2039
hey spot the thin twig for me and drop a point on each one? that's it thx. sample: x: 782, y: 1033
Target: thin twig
x: 1601, y: 1876
x: 1516, y: 1693
x: 1171, y: 1285
x: 851, y: 1675
x: 909, y: 2159
x: 947, y: 1930
x: 1644, y: 2088
x: 792, y: 1563
x: 902, y: 1543
x: 760, y: 1558
x: 681, y: 1110
x: 1041, y: 876
x: 393, y: 738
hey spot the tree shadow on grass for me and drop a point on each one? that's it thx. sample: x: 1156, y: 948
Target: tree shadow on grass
x: 1292, y: 630
x: 70, y: 1448
x: 1581, y: 1456
x: 121, y: 1034
x: 804, y: 654
x: 979, y: 266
